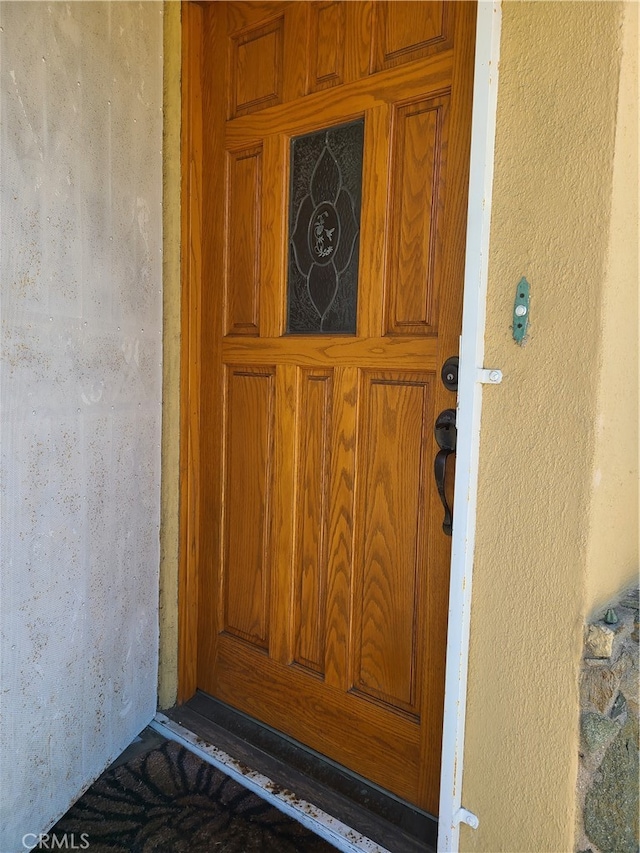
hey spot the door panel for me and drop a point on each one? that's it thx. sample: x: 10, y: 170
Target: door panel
x: 246, y: 579
x: 418, y: 170
x: 244, y: 233
x: 310, y: 567
x: 389, y: 560
x: 323, y: 566
x: 256, y: 68
x: 405, y: 31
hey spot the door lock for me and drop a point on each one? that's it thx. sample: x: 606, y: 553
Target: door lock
x: 446, y: 436
x: 449, y: 373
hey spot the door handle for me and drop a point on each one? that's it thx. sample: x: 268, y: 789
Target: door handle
x: 446, y: 435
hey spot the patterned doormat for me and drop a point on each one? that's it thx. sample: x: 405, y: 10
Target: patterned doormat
x: 170, y: 801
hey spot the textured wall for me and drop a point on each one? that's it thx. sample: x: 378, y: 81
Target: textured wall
x: 613, y: 535
x: 80, y: 393
x: 559, y: 71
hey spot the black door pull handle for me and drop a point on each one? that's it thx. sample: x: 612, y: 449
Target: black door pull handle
x: 446, y: 435
x: 439, y: 469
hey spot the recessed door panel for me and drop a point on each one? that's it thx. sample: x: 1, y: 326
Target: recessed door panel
x: 244, y: 195
x: 247, y: 553
x: 256, y: 61
x: 406, y: 31
x: 327, y: 45
x: 390, y: 561
x: 420, y: 139
x: 311, y: 557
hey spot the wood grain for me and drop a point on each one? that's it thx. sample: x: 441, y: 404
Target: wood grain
x: 357, y: 40
x: 340, y: 528
x: 312, y: 351
x: 244, y: 230
x: 343, y: 103
x: 313, y: 494
x: 326, y: 719
x: 256, y: 63
x: 275, y: 183
x: 284, y: 514
x: 212, y: 385
x: 326, y: 45
x: 419, y: 169
x: 321, y: 561
x: 390, y: 558
x: 375, y: 223
x: 249, y: 429
x: 406, y: 31
x: 191, y: 272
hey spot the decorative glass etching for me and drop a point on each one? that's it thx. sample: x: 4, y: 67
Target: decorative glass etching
x: 324, y: 227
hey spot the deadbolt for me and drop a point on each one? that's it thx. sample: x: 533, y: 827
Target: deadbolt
x: 449, y: 373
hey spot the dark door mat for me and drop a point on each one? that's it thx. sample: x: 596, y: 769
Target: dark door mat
x: 167, y: 800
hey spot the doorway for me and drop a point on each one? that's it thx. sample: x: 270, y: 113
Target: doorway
x: 320, y: 564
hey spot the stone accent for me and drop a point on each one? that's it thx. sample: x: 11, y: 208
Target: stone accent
x: 599, y: 641
x: 608, y: 768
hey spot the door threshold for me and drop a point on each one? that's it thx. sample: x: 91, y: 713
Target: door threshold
x: 313, y: 818
x: 346, y: 810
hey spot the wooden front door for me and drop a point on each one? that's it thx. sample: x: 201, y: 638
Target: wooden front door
x: 331, y: 296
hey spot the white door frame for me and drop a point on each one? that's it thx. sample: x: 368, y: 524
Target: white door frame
x: 471, y: 377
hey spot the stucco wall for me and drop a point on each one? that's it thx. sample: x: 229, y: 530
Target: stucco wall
x: 80, y: 393
x: 559, y: 71
x: 614, y: 518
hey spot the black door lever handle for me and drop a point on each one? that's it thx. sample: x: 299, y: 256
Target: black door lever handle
x: 446, y: 435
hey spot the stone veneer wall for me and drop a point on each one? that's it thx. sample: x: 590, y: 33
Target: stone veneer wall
x: 608, y: 770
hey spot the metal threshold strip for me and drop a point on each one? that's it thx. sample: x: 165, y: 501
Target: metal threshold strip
x: 366, y: 809
x: 332, y: 830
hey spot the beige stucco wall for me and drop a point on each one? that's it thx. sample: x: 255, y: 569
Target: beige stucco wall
x: 169, y: 544
x: 552, y: 199
x: 613, y: 534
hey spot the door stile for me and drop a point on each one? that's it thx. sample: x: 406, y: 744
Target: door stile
x: 373, y: 241
x: 190, y: 311
x: 273, y: 265
x: 340, y: 525
x: 283, y: 523
x: 215, y: 309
